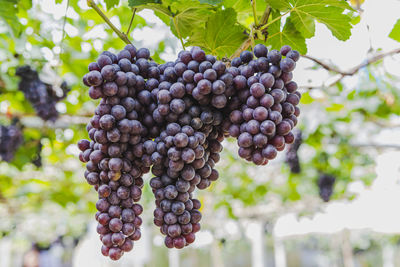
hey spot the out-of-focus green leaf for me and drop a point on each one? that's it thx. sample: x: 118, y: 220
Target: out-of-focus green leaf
x: 8, y: 13
x: 279, y: 4
x: 395, y: 33
x: 111, y: 3
x: 211, y: 2
x: 135, y: 3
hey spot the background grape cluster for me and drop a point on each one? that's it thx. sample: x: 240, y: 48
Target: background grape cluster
x: 171, y: 119
x: 10, y: 139
x: 326, y: 183
x: 292, y: 157
x: 41, y: 95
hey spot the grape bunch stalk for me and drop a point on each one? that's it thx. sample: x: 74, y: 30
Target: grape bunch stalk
x: 42, y: 96
x: 10, y: 139
x: 171, y: 119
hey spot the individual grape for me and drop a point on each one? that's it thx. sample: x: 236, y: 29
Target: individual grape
x: 294, y: 55
x: 285, y: 49
x: 257, y: 90
x: 246, y: 56
x: 274, y: 56
x: 260, y: 50
x: 287, y: 64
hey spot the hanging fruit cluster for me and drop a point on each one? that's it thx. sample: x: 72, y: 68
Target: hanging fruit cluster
x: 171, y: 119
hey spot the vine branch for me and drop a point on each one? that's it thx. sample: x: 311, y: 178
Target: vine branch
x: 351, y: 71
x: 355, y: 69
x: 120, y: 34
x: 63, y: 121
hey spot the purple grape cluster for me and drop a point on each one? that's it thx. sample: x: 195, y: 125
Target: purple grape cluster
x: 115, y: 157
x: 264, y: 109
x: 10, y: 140
x: 325, y: 185
x: 41, y: 95
x: 172, y: 118
x: 292, y: 157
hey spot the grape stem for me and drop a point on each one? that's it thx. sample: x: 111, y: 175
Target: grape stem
x: 246, y: 44
x: 120, y: 34
x: 130, y: 23
x: 253, y: 5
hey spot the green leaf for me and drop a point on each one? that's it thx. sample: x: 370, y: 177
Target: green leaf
x: 221, y: 36
x: 395, y: 33
x: 288, y: 36
x: 8, y: 13
x: 134, y: 3
x: 329, y: 12
x: 244, y: 10
x: 211, y: 2
x: 306, y: 98
x: 279, y: 4
x: 189, y: 17
x: 111, y: 3
x: 335, y: 107
x: 183, y: 16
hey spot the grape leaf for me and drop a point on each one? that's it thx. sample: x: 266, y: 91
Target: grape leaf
x: 221, y: 35
x: 134, y: 3
x: 183, y: 16
x: 329, y: 12
x: 288, y: 36
x: 8, y: 12
x: 395, y: 33
x: 244, y: 10
x: 211, y: 2
x: 111, y: 3
x: 279, y: 4
x: 188, y: 17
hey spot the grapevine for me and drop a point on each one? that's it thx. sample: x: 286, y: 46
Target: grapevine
x: 171, y: 119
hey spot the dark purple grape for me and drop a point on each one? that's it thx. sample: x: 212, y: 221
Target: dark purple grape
x: 260, y: 50
x: 294, y: 55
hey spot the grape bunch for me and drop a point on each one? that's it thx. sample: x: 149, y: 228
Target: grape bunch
x: 292, y: 157
x: 118, y: 130
x: 171, y: 119
x: 264, y: 108
x: 325, y: 185
x: 10, y: 139
x: 41, y: 95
